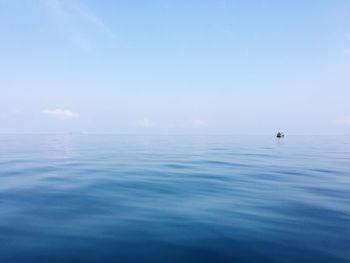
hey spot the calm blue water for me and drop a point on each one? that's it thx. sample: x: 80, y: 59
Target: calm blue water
x: 94, y: 198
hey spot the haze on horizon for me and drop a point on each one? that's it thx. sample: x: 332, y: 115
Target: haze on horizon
x: 175, y: 67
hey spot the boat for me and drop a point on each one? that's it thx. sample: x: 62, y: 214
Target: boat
x: 280, y: 135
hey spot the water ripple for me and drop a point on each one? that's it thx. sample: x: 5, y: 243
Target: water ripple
x: 90, y: 198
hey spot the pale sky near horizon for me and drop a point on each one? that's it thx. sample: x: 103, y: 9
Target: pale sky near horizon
x: 174, y: 67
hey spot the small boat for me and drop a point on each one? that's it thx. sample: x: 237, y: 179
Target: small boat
x: 280, y: 135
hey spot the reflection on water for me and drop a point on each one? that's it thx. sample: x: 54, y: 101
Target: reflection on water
x: 92, y: 198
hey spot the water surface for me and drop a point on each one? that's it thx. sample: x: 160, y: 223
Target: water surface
x: 104, y: 198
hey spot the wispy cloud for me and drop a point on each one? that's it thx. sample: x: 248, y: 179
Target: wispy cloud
x: 77, y: 21
x: 344, y: 121
x: 199, y: 122
x: 15, y: 110
x: 144, y: 123
x: 61, y: 113
x: 347, y: 51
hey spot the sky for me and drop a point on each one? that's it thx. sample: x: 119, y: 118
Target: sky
x: 175, y: 66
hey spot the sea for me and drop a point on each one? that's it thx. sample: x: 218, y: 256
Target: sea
x: 174, y: 198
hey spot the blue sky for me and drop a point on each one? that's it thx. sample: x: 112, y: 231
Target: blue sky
x: 174, y: 67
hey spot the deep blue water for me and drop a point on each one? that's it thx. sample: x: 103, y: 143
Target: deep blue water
x: 95, y: 198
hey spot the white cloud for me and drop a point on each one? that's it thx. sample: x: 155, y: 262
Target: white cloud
x: 345, y: 120
x: 144, y: 123
x: 15, y: 110
x: 199, y: 122
x: 61, y: 113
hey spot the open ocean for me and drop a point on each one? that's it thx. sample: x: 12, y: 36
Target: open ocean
x: 114, y: 198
